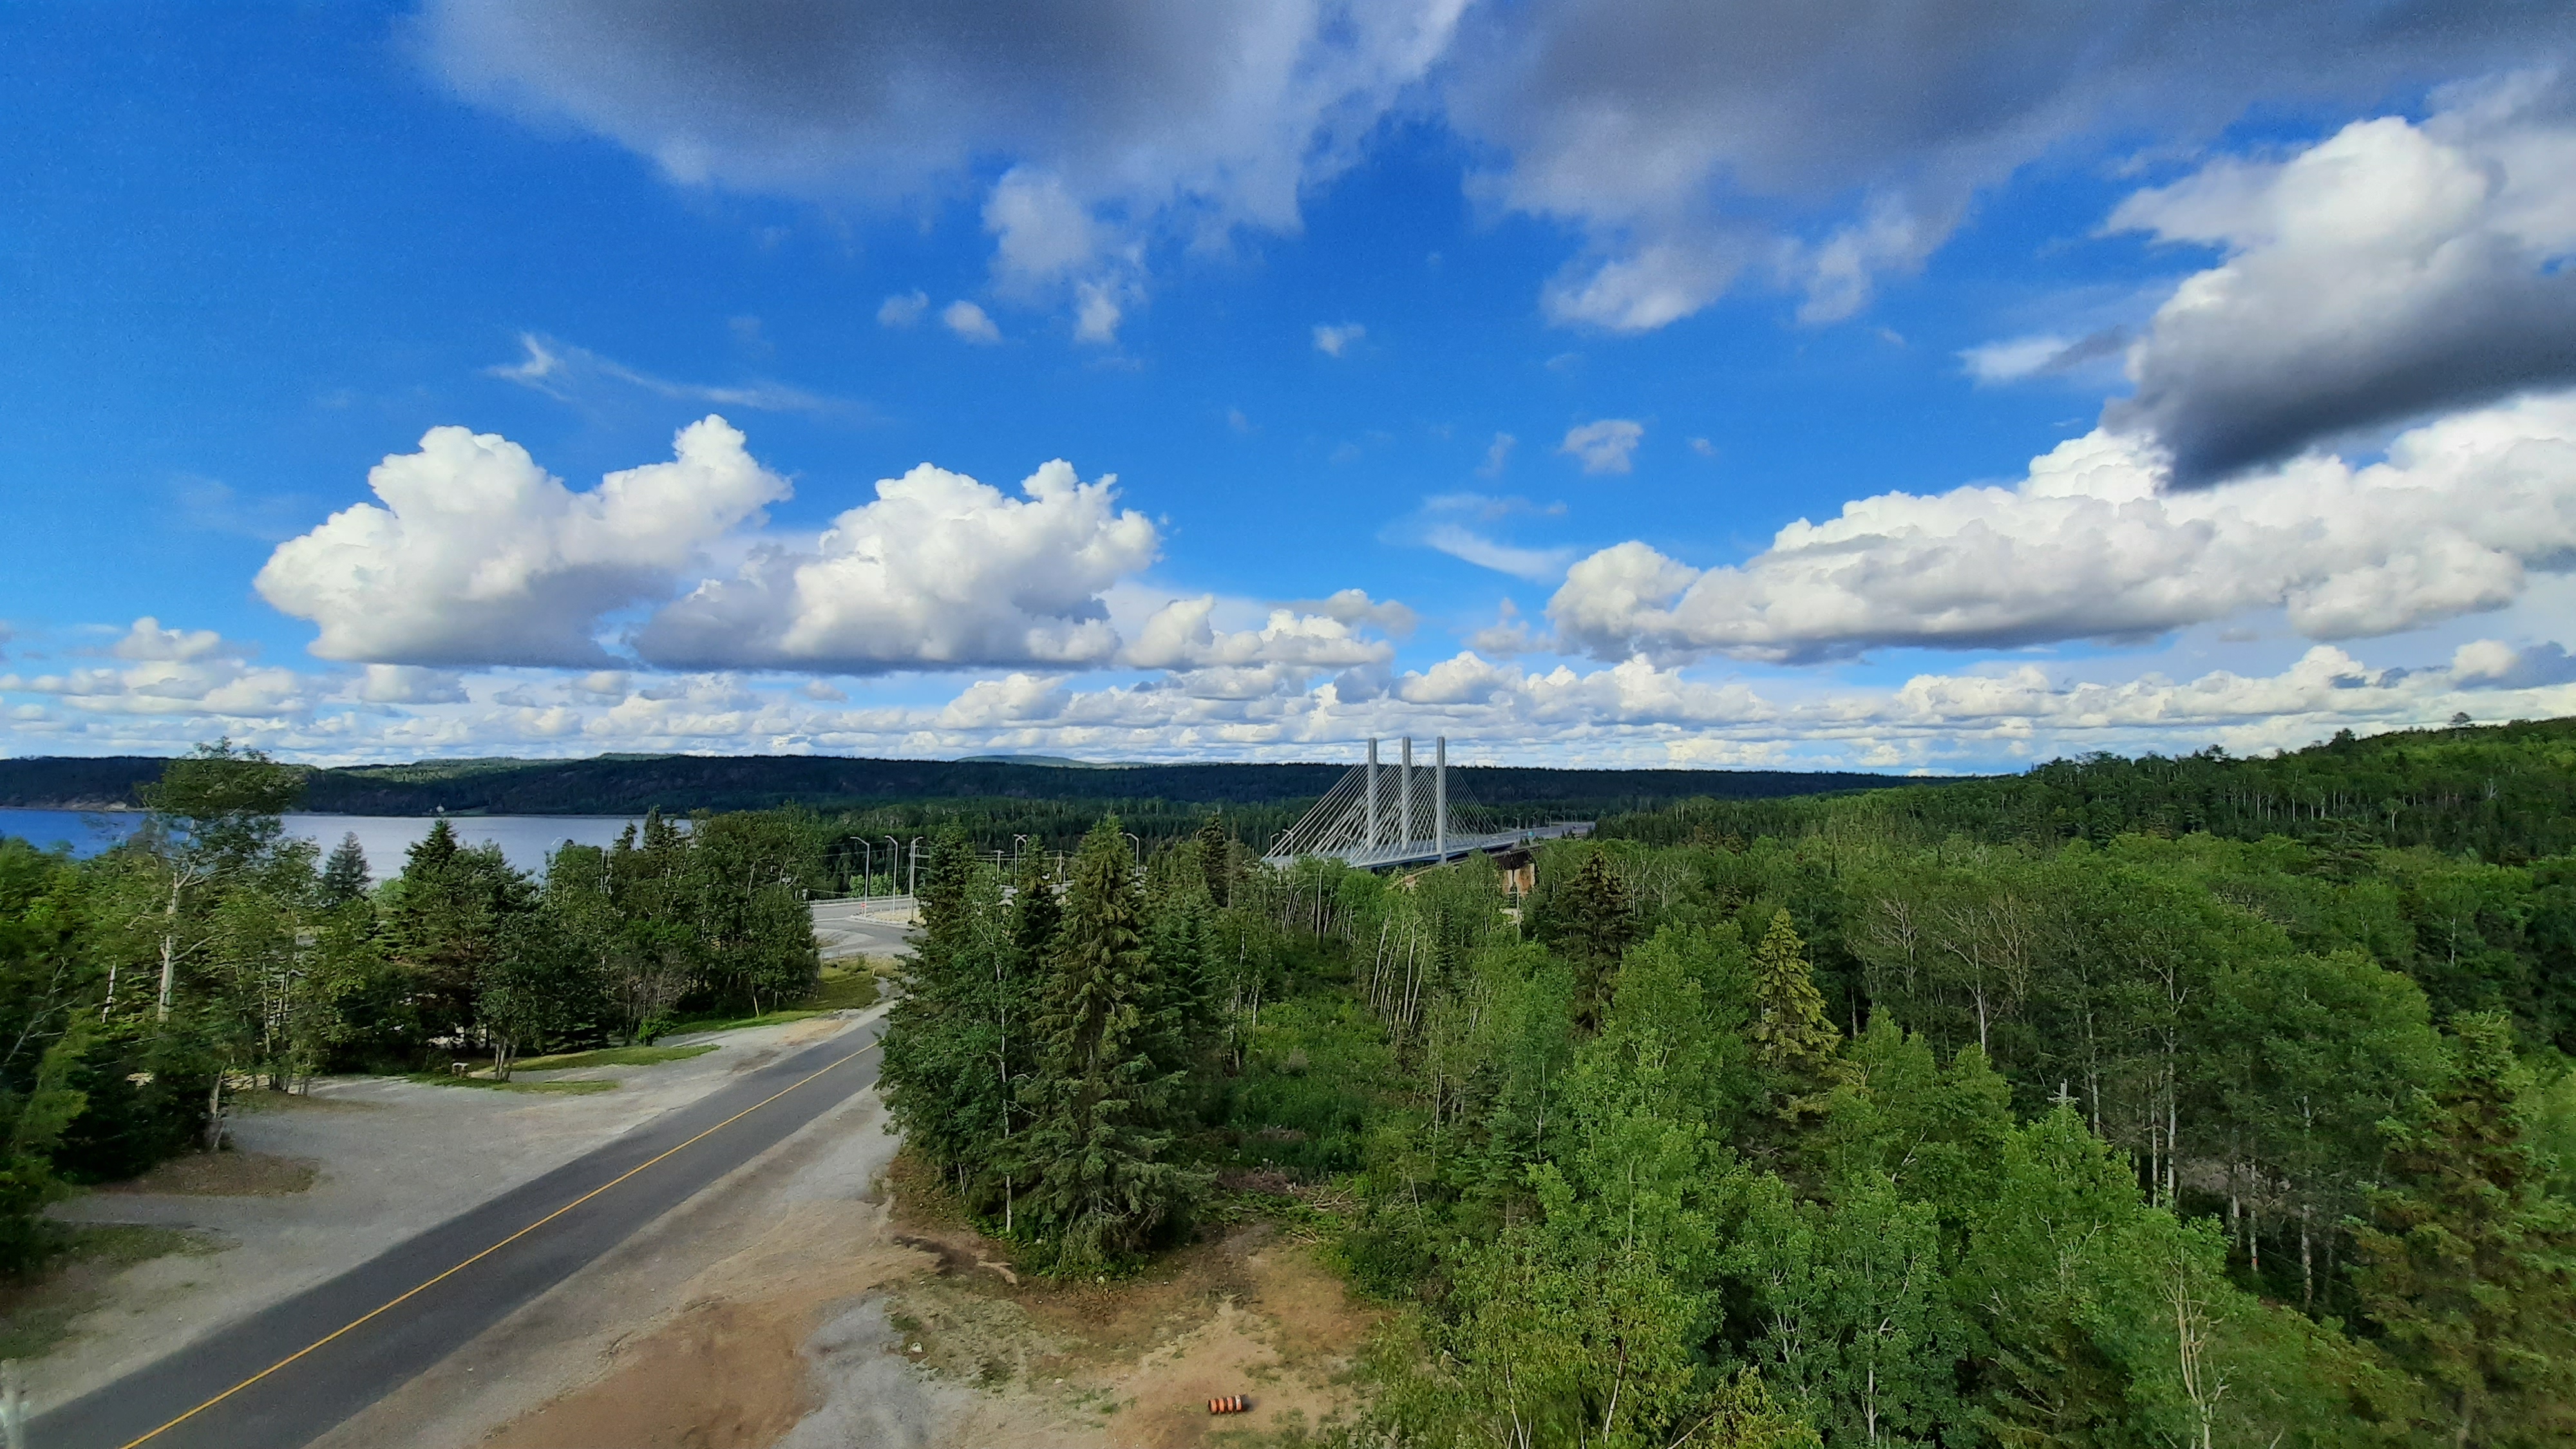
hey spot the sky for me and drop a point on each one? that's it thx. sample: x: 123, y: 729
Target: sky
x: 1917, y: 387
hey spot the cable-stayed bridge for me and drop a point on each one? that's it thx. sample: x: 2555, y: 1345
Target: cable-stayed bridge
x: 1392, y: 815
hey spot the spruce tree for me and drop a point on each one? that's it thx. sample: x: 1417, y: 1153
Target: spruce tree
x: 2468, y: 1266
x: 1098, y: 1143
x: 1594, y: 918
x: 1216, y: 862
x: 1792, y: 1038
x: 344, y: 875
x: 1036, y: 912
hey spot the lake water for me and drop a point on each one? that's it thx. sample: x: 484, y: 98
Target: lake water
x: 525, y: 839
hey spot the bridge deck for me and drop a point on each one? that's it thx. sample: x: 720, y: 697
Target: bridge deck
x: 1426, y: 852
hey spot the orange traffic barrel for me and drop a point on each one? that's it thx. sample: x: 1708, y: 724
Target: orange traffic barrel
x: 1229, y: 1404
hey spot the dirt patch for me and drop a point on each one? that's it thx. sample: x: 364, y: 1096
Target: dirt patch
x: 1130, y: 1362
x: 224, y: 1174
x: 719, y: 1376
x: 37, y: 1316
x: 726, y: 1370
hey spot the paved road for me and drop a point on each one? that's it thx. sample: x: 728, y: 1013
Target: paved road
x: 324, y: 1357
x: 863, y: 928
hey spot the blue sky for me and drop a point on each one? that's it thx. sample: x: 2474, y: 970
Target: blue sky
x: 1462, y: 369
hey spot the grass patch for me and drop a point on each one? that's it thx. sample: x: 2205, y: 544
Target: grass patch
x: 738, y: 1023
x: 840, y: 988
x: 625, y: 1056
x: 551, y: 1089
x: 36, y: 1316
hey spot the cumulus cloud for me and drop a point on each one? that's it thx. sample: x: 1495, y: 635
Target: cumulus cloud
x: 969, y: 321
x: 2088, y: 546
x: 407, y: 684
x: 1119, y: 123
x: 175, y: 672
x: 939, y: 572
x: 478, y: 556
x: 1634, y: 712
x: 1509, y: 635
x: 1607, y: 446
x: 1285, y: 652
x: 1355, y: 607
x: 1332, y: 340
x: 2385, y: 273
x: 903, y: 309
x: 1826, y: 147
x: 2493, y: 664
x: 1686, y: 144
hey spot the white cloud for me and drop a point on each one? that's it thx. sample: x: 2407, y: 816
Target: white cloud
x: 1497, y: 454
x: 1042, y: 232
x: 1538, y: 565
x: 1180, y: 638
x: 940, y: 572
x: 903, y: 309
x: 1827, y: 147
x: 568, y: 373
x: 407, y: 684
x: 176, y: 672
x: 1333, y: 340
x: 2018, y: 359
x: 969, y: 321
x: 1097, y: 312
x: 1606, y: 446
x: 1685, y: 144
x: 478, y: 556
x: 2088, y: 547
x: 1354, y: 606
x: 1631, y: 712
x: 2387, y: 272
x: 1116, y: 126
x: 1509, y: 635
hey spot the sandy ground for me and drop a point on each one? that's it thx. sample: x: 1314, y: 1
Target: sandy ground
x: 800, y: 1304
x: 384, y: 1158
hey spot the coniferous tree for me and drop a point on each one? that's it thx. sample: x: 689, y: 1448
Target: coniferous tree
x: 1216, y: 859
x: 2468, y: 1265
x: 344, y: 875
x: 1595, y: 919
x: 1101, y: 1132
x: 1792, y: 1038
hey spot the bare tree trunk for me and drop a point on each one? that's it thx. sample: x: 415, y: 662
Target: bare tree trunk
x: 215, y: 1110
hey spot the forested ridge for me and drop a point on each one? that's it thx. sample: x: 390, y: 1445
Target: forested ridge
x: 2026, y: 1112
x: 143, y: 990
x: 997, y: 796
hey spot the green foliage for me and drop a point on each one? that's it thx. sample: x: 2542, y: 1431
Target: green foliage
x: 2468, y: 1266
x: 1102, y: 1115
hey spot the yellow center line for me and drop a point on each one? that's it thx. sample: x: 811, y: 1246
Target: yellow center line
x: 419, y: 1289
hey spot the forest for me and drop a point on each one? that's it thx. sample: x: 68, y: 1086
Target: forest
x: 997, y: 798
x: 144, y: 989
x: 2201, y: 1102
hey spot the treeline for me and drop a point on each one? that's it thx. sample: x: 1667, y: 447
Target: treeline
x: 1860, y: 1132
x: 2501, y: 793
x: 211, y: 954
x: 678, y: 784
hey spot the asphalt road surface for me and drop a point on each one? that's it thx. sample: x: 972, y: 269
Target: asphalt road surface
x: 285, y: 1375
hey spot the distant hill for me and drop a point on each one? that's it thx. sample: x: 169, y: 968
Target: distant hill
x: 629, y: 784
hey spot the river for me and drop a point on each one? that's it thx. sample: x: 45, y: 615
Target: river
x: 525, y: 840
